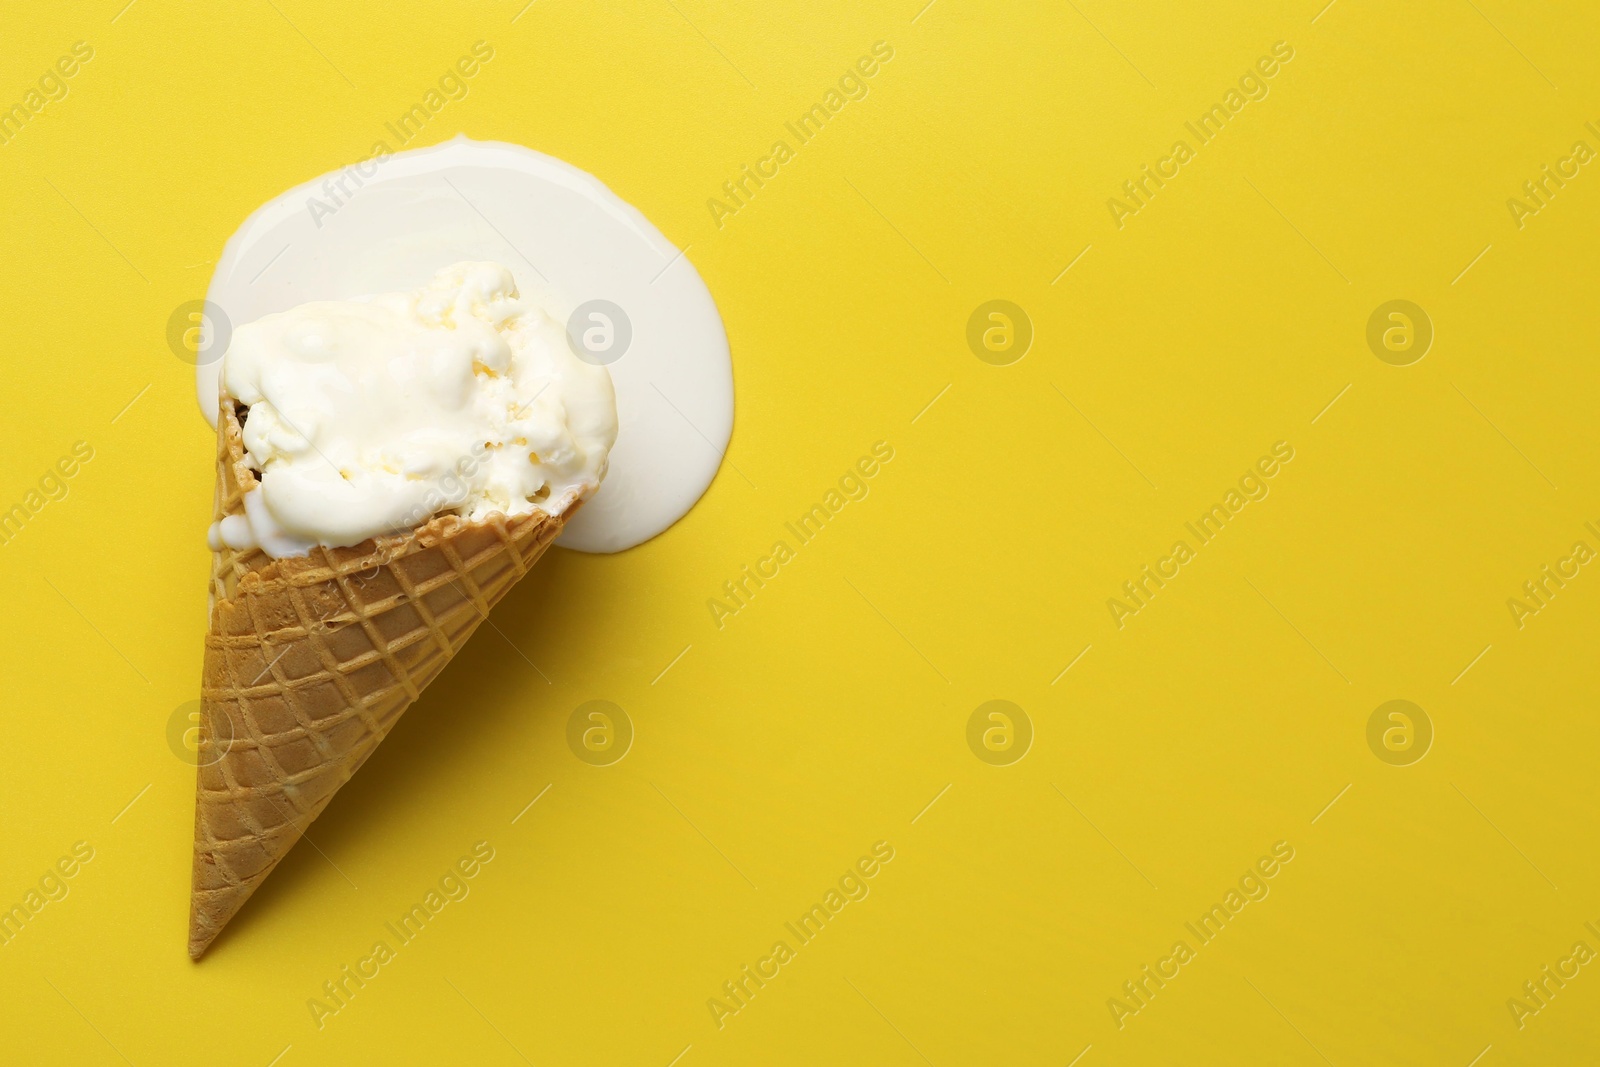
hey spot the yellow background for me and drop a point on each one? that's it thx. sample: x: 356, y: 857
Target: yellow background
x: 827, y: 714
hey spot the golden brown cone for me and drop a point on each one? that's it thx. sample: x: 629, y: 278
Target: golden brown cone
x: 309, y: 663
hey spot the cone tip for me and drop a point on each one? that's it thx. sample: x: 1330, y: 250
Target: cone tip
x: 200, y: 937
x: 198, y: 943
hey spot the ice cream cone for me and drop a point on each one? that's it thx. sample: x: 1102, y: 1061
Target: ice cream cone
x: 309, y: 662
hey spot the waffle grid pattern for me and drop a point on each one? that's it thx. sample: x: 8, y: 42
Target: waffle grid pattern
x: 309, y: 663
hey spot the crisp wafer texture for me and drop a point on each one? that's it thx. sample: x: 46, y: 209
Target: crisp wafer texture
x: 310, y: 661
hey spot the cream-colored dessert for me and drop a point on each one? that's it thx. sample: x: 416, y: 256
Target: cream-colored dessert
x: 369, y: 417
x: 629, y: 298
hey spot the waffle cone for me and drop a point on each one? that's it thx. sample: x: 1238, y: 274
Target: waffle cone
x: 308, y: 664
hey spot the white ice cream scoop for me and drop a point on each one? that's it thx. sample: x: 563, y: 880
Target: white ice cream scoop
x: 369, y: 417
